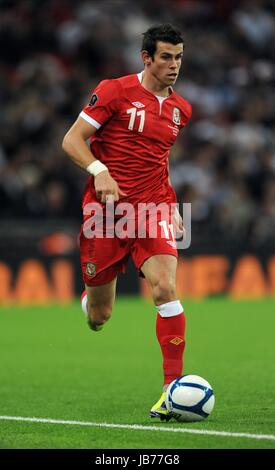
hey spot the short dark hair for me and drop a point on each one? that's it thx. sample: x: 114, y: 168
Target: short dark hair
x: 163, y: 32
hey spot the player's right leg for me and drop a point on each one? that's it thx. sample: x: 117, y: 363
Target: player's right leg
x: 97, y: 303
x: 102, y: 258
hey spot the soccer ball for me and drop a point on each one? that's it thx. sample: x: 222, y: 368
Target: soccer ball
x: 190, y: 398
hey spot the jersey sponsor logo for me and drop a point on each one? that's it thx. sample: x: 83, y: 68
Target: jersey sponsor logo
x: 176, y: 115
x: 138, y: 104
x: 93, y: 100
x: 90, y: 269
x: 176, y: 340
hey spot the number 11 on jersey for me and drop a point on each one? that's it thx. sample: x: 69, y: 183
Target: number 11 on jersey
x: 134, y: 113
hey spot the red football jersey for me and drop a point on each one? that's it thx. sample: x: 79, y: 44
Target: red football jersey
x: 136, y: 130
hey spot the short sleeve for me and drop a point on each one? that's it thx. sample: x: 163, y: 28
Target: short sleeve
x: 102, y: 105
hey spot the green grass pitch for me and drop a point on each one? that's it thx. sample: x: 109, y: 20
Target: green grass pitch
x: 53, y: 366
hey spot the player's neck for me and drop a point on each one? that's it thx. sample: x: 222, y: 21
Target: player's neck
x: 152, y: 84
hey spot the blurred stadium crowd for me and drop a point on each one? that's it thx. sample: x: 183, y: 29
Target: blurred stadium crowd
x: 52, y: 54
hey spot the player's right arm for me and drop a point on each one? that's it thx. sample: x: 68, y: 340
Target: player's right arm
x: 101, y: 108
x: 74, y: 144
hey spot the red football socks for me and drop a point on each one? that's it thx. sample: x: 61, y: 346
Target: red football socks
x: 170, y: 333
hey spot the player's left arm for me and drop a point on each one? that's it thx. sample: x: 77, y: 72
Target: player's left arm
x: 186, y: 114
x: 177, y: 217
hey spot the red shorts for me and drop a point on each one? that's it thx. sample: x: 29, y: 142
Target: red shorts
x: 102, y: 258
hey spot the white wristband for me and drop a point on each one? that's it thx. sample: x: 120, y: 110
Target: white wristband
x: 96, y: 167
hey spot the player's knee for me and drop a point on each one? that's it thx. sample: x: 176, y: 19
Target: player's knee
x: 100, y: 313
x: 164, y: 289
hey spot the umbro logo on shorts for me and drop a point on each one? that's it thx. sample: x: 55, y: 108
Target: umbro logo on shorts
x: 171, y: 243
x: 138, y: 104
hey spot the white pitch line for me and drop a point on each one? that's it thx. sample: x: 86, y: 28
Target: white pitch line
x: 139, y: 427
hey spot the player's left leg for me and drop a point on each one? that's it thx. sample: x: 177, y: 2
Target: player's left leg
x: 160, y: 272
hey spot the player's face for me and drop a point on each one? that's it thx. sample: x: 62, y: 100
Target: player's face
x: 167, y: 62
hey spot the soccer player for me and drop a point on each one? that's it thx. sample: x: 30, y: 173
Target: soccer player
x: 132, y: 122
